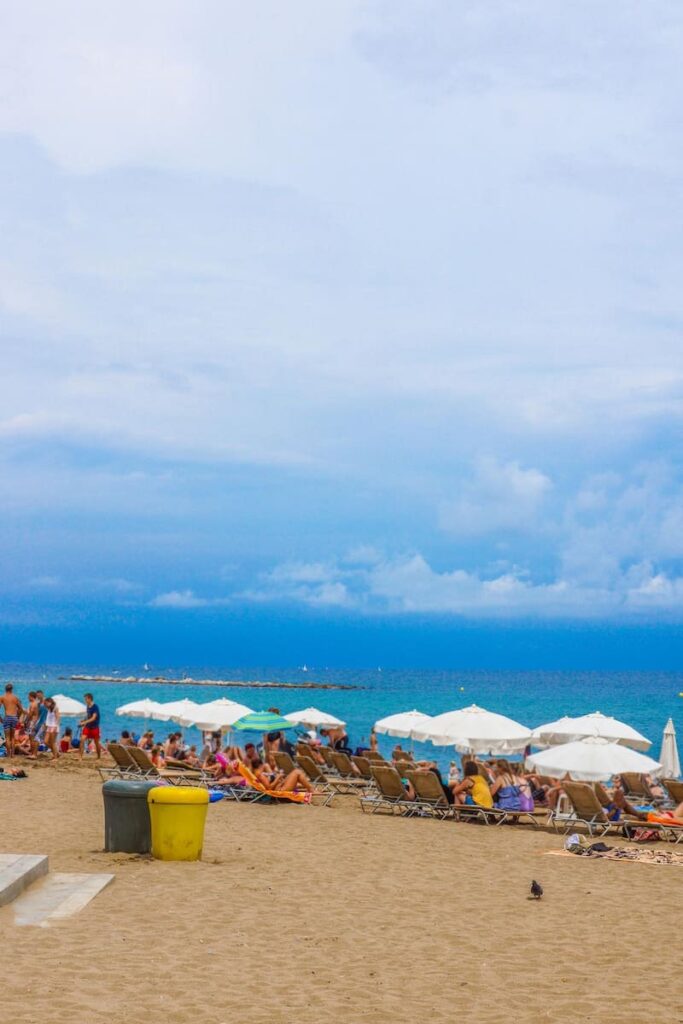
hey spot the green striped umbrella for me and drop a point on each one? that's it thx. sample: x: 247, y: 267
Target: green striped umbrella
x: 262, y: 721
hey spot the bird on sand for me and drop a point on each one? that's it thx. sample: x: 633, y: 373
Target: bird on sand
x: 536, y: 890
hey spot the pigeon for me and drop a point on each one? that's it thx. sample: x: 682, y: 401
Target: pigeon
x: 536, y: 890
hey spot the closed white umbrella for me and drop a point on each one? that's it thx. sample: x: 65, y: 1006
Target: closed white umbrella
x: 313, y: 718
x: 68, y: 707
x: 403, y: 724
x: 592, y: 759
x: 671, y: 765
x: 174, y: 710
x: 139, y: 708
x: 596, y: 724
x: 212, y: 718
x: 476, y: 731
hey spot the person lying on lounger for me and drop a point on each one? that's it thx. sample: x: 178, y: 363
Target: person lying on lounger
x: 288, y: 783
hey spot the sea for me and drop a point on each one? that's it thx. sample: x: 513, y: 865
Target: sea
x: 643, y: 699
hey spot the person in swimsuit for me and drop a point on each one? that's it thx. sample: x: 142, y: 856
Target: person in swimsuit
x: 52, y: 727
x: 11, y: 711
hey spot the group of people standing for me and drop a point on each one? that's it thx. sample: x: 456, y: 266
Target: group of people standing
x: 38, y: 725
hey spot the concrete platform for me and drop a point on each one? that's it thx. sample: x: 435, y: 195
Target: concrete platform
x: 58, y: 896
x: 17, y: 872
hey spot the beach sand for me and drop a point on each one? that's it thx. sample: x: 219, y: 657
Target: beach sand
x: 305, y: 914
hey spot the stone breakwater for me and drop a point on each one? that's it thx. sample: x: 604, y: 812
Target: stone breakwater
x: 212, y: 682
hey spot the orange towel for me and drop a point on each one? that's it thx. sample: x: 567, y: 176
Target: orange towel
x: 278, y: 794
x: 663, y: 819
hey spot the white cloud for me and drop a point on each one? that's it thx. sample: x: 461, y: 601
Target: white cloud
x: 499, y: 496
x: 178, y: 599
x: 410, y: 585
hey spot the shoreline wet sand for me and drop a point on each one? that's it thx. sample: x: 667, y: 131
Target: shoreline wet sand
x: 311, y: 913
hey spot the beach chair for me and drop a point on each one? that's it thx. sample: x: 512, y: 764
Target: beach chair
x: 429, y: 793
x: 283, y: 796
x: 637, y: 788
x: 327, y: 753
x: 675, y: 790
x: 329, y: 783
x: 497, y: 815
x: 586, y: 810
x: 391, y: 795
x: 364, y: 767
x: 343, y: 765
x: 375, y: 757
x: 124, y: 766
x: 283, y: 761
x: 325, y: 785
x: 148, y: 770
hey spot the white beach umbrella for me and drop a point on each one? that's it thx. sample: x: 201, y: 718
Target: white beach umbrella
x: 68, y: 707
x: 174, y: 710
x: 314, y: 718
x: 592, y: 759
x: 215, y: 718
x: 139, y: 708
x: 671, y: 765
x: 403, y: 724
x: 596, y: 724
x: 475, y: 730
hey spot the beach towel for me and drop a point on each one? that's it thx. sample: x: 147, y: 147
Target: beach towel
x: 276, y: 794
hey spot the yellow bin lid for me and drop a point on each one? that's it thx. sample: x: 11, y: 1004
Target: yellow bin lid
x: 177, y: 795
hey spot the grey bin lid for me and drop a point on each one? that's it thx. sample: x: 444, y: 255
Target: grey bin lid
x: 126, y: 789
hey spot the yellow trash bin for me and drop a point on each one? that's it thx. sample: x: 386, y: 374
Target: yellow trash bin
x: 177, y: 815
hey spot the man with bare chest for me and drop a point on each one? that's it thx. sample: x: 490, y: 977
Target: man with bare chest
x: 11, y: 708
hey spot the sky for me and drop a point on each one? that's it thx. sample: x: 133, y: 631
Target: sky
x: 341, y: 324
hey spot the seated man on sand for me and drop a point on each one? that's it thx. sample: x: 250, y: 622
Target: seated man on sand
x: 126, y: 739
x: 474, y: 789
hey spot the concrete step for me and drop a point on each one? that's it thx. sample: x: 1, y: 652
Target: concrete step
x: 58, y: 896
x: 17, y: 872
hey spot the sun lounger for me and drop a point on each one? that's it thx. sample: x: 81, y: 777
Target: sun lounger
x: 148, y: 770
x: 675, y: 790
x: 287, y: 796
x: 124, y: 765
x: 283, y: 761
x: 429, y: 793
x: 342, y: 763
x: 376, y: 757
x: 391, y: 795
x: 586, y: 810
x: 496, y: 815
x: 328, y: 783
x: 325, y: 785
x: 364, y: 767
x: 327, y: 757
x: 637, y: 788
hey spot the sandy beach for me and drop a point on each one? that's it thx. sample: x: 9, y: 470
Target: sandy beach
x: 310, y: 913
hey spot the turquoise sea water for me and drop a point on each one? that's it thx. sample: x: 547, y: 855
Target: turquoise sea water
x: 645, y: 699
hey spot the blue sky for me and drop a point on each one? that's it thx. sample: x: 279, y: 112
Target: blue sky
x: 362, y: 317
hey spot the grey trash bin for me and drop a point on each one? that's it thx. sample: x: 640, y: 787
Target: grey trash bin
x: 126, y: 816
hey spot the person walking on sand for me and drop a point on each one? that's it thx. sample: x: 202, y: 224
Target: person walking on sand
x: 37, y: 732
x: 90, y: 726
x: 52, y: 727
x: 11, y: 710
